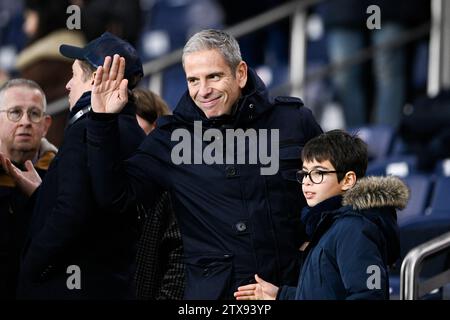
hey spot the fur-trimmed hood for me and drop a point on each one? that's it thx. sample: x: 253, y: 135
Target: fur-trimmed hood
x: 376, y: 192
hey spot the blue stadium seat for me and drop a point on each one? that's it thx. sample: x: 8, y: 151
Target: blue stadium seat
x: 379, y: 139
x: 420, y: 188
x: 440, y: 201
x: 443, y: 168
x: 399, y: 165
x: 399, y: 147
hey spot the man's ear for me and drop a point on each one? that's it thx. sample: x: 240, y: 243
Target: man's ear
x: 47, y: 123
x: 348, y: 181
x: 241, y: 74
x: 93, y: 77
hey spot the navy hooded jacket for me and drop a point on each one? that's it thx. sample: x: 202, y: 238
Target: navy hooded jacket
x: 351, y: 245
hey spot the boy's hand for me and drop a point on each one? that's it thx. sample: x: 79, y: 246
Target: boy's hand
x: 261, y: 290
x: 110, y: 89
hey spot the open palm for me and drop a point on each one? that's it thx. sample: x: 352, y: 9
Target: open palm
x: 261, y: 290
x: 27, y: 180
x: 109, y: 92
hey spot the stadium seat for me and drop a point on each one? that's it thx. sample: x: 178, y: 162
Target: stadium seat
x: 379, y: 139
x: 440, y: 201
x: 443, y: 168
x: 420, y: 188
x: 400, y: 166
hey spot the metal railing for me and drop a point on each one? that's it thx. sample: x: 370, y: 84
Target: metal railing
x: 410, y: 286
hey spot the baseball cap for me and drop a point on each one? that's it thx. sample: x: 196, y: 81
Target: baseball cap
x: 106, y: 45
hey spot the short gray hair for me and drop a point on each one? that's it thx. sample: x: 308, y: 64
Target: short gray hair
x: 215, y: 39
x: 20, y: 82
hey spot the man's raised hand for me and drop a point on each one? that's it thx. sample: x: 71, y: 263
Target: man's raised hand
x: 109, y: 91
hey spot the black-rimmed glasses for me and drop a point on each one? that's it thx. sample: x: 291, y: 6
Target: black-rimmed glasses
x: 316, y: 175
x: 14, y: 114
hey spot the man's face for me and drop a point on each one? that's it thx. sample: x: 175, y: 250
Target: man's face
x: 78, y: 84
x: 22, y: 136
x: 211, y: 83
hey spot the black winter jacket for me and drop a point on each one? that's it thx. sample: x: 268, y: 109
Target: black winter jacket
x: 234, y: 221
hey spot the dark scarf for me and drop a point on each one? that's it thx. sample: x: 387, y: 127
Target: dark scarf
x: 311, y: 216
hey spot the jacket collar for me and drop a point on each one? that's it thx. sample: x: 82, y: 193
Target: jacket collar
x: 312, y: 216
x: 253, y: 102
x: 374, y: 199
x: 85, y: 101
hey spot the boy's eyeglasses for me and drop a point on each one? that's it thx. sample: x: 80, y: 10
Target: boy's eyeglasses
x: 14, y: 114
x: 316, y: 175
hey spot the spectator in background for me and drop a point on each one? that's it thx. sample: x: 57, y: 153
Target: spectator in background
x: 67, y: 227
x: 23, y: 126
x: 12, y: 38
x: 119, y: 17
x: 149, y: 107
x: 347, y: 33
x: 45, y: 26
x: 159, y: 266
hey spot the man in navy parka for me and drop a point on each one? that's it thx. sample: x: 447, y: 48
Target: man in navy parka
x: 234, y: 220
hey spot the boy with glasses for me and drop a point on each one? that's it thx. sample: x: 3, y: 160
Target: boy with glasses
x: 350, y: 222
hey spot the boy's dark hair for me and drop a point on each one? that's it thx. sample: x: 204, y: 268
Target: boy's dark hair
x: 345, y: 152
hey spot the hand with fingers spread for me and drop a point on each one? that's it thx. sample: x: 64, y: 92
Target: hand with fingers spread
x: 261, y: 290
x: 109, y: 92
x: 27, y: 181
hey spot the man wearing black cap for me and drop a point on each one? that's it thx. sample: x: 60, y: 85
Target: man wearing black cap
x: 75, y: 250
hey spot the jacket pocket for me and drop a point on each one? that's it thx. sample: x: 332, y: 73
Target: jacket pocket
x: 208, y: 276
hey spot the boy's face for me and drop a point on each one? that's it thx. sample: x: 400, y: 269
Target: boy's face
x: 329, y: 187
